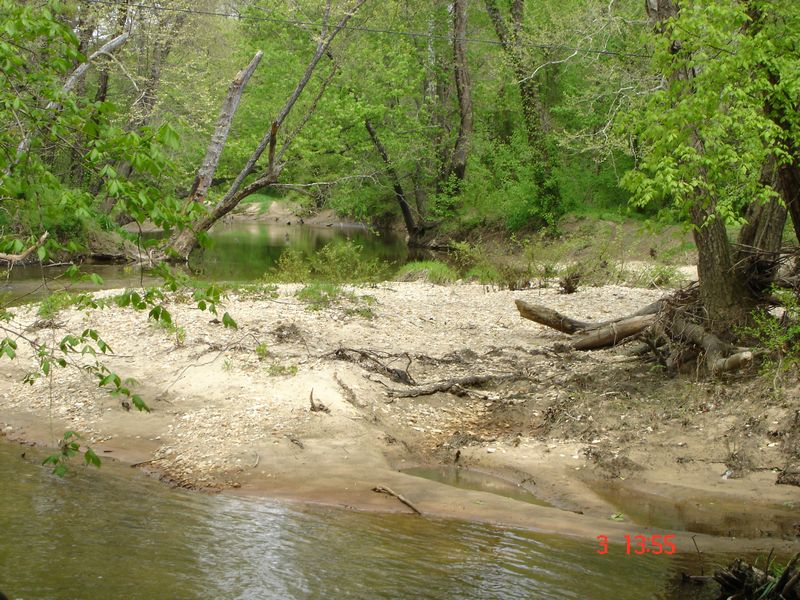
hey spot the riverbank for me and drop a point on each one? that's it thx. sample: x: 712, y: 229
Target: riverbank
x: 592, y: 434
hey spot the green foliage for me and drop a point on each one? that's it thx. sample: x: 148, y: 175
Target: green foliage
x: 430, y: 270
x: 319, y: 296
x: 502, y: 187
x: 69, y: 446
x: 262, y: 351
x: 279, y: 370
x: 337, y: 262
x: 705, y: 134
x: 780, y: 336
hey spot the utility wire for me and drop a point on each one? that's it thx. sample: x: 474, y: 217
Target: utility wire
x: 299, y: 23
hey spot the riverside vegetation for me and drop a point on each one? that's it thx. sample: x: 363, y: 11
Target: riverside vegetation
x: 522, y: 141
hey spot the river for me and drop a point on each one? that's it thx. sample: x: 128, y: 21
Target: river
x: 239, y: 251
x: 115, y: 533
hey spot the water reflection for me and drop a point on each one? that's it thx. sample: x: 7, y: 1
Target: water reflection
x: 238, y: 251
x: 117, y: 534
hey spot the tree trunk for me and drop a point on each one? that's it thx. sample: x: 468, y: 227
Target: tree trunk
x: 463, y: 90
x: 405, y: 208
x: 722, y: 288
x: 205, y: 174
x: 183, y: 242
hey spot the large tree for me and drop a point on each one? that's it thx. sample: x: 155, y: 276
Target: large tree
x: 718, y: 137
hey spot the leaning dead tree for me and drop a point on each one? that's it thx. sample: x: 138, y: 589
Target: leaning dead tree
x: 183, y: 242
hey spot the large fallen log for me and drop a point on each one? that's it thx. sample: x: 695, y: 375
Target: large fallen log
x: 660, y: 318
x: 596, y: 335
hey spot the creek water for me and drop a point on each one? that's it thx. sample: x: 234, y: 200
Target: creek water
x: 239, y: 251
x: 115, y: 533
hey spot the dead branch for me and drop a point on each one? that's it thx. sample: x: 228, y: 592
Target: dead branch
x: 550, y: 318
x: 599, y: 335
x: 316, y: 405
x: 15, y: 258
x: 205, y: 174
x: 371, y: 361
x: 613, y: 333
x: 70, y: 83
x: 455, y: 386
x: 385, y: 490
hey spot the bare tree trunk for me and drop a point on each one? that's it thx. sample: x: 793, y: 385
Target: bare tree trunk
x: 182, y: 243
x: 463, y: 89
x: 206, y: 172
x: 405, y: 208
x: 102, y: 81
x: 529, y: 94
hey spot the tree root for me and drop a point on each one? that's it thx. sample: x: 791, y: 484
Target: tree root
x: 375, y: 362
x: 454, y: 386
x: 668, y: 328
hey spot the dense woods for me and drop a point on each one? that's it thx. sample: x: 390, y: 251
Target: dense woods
x: 442, y: 117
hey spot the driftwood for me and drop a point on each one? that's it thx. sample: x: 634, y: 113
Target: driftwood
x: 380, y: 489
x: 742, y: 580
x: 596, y: 335
x: 316, y: 405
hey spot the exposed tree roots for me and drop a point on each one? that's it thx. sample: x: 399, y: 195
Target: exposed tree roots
x: 745, y: 581
x: 671, y: 330
x: 457, y: 386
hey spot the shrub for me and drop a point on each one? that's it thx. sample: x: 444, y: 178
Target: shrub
x: 430, y: 270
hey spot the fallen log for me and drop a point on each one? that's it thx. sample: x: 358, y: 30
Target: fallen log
x: 613, y: 333
x: 597, y: 335
x: 550, y: 318
x: 693, y: 340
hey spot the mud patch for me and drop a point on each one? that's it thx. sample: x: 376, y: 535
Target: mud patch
x: 467, y: 479
x: 709, y: 514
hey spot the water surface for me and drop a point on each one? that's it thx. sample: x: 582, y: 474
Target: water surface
x: 115, y: 533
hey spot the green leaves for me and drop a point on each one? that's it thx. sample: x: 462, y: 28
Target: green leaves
x: 69, y: 446
x: 8, y: 348
x: 228, y: 321
x: 706, y: 133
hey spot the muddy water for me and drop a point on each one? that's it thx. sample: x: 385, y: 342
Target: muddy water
x: 238, y: 252
x: 702, y: 513
x: 473, y: 480
x: 115, y: 533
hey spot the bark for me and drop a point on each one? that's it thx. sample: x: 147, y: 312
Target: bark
x: 205, y: 175
x: 463, y: 89
x: 102, y: 81
x: 180, y: 245
x: 529, y: 94
x: 595, y: 335
x: 613, y: 333
x: 405, y: 208
x: 15, y: 258
x: 719, y: 357
x: 722, y: 288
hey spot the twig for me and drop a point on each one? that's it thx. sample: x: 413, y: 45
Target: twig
x: 317, y: 406
x: 385, y: 490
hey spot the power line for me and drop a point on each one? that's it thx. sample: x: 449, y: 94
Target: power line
x: 410, y: 34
